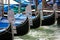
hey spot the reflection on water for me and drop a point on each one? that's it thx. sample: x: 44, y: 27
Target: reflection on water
x: 43, y: 33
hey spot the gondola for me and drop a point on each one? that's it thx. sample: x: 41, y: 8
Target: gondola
x: 5, y: 27
x: 5, y: 30
x: 48, y: 20
x: 21, y: 23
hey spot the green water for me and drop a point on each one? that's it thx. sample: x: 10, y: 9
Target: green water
x: 42, y: 33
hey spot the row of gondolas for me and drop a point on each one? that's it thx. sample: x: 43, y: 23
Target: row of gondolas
x: 21, y: 22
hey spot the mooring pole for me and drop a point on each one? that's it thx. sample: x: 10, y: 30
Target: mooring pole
x: 11, y: 18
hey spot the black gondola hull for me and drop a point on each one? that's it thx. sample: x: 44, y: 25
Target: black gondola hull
x: 50, y: 20
x: 22, y: 29
x: 36, y: 22
x: 6, y: 35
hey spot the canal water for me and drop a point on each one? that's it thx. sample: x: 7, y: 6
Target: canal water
x: 42, y: 33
